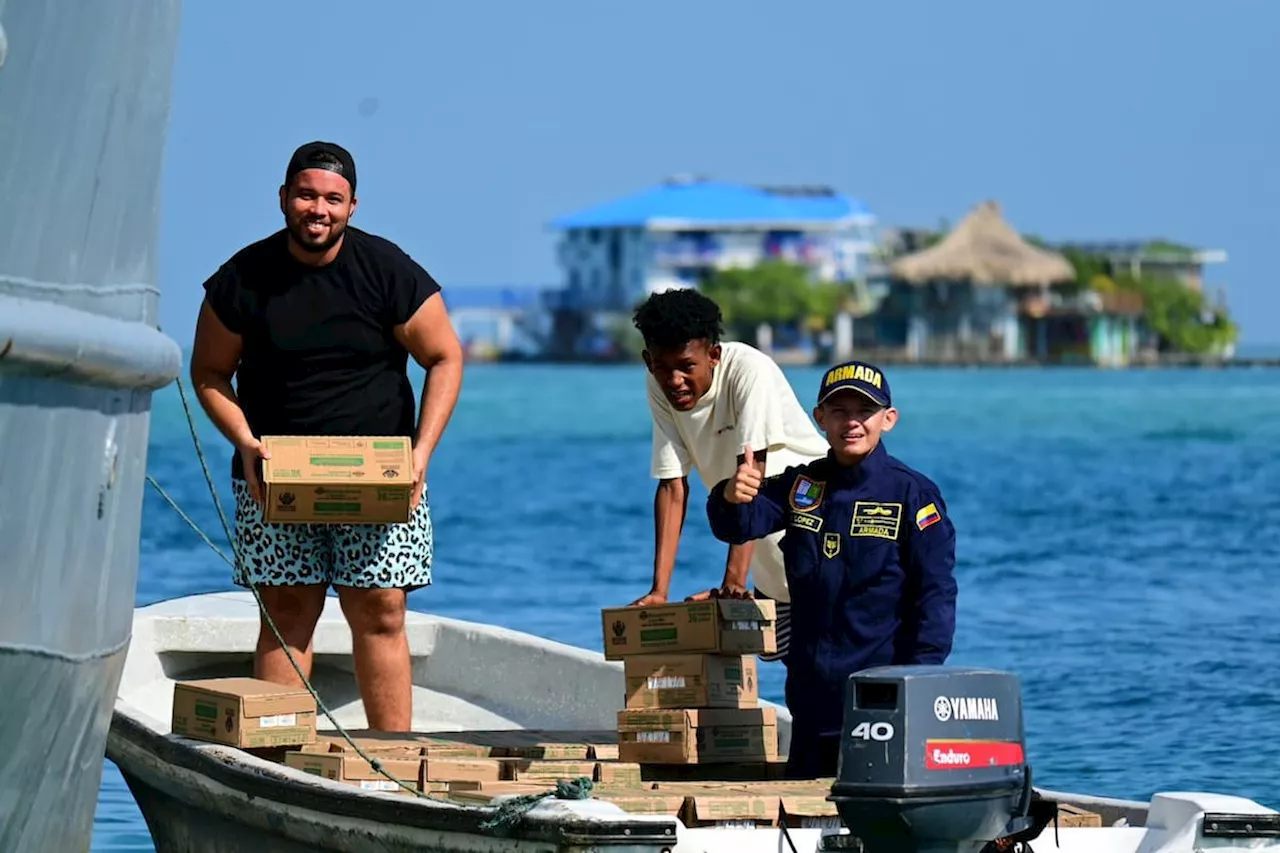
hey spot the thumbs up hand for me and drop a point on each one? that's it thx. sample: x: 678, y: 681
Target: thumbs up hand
x: 745, y: 484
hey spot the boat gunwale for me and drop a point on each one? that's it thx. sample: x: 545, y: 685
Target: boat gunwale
x: 262, y: 779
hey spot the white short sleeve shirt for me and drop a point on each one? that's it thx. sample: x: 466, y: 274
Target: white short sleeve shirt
x: 750, y: 404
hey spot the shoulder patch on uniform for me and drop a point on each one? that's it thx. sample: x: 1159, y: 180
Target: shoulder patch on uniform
x: 927, y: 515
x: 806, y: 494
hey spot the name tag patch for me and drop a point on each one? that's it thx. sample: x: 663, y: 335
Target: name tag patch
x: 812, y: 523
x: 872, y: 518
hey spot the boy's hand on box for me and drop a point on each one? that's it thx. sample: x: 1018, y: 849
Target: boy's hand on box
x: 726, y: 591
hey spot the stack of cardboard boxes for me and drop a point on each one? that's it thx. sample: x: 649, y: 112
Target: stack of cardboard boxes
x: 691, y: 722
x: 692, y: 688
x: 278, y: 723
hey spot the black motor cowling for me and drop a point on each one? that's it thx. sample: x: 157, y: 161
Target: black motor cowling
x: 932, y: 760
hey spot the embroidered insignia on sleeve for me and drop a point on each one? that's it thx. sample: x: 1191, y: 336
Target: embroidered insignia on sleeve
x: 806, y: 494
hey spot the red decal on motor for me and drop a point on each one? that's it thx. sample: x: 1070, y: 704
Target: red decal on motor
x: 970, y: 754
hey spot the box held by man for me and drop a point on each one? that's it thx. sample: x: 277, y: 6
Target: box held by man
x: 338, y: 479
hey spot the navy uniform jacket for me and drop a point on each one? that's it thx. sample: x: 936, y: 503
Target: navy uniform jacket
x: 869, y: 554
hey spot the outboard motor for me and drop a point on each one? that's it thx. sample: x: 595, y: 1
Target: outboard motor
x: 932, y: 761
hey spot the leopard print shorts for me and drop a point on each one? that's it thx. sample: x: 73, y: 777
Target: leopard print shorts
x: 383, y: 556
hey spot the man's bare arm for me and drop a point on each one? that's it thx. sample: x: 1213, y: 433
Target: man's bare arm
x: 670, y: 505
x: 429, y: 337
x: 215, y: 356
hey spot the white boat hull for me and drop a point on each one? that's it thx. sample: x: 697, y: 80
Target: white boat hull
x: 206, y: 798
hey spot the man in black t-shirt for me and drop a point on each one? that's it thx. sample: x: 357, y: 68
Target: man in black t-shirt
x: 317, y: 322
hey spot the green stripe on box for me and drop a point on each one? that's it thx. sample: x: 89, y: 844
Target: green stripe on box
x: 334, y: 506
x: 337, y: 460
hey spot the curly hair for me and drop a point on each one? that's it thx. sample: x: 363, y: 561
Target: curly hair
x: 673, y: 318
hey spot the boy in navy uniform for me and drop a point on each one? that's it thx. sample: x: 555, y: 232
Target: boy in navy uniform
x: 869, y: 554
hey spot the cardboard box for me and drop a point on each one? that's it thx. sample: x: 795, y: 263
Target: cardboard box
x: 538, y: 770
x: 354, y: 770
x: 488, y: 792
x: 540, y: 744
x: 338, y: 479
x: 809, y: 810
x: 741, y: 772
x: 372, y: 743
x: 1069, y: 815
x: 243, y: 712
x: 456, y: 769
x: 406, y: 744
x: 619, y: 774
x: 606, y: 751
x: 717, y: 626
x: 800, y: 804
x: 730, y: 808
x: 691, y: 681
x: 643, y: 802
x: 698, y: 736
x: 609, y: 773
x: 720, y: 804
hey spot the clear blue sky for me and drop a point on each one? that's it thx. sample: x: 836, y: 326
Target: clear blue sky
x: 475, y: 123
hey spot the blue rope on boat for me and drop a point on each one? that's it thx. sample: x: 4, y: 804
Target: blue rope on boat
x: 510, y: 812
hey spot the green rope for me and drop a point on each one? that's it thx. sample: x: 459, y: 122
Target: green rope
x: 507, y: 815
x: 266, y: 617
x: 510, y: 812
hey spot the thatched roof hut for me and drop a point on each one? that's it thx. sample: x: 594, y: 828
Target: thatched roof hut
x: 984, y: 249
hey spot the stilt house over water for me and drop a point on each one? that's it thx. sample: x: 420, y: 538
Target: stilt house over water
x: 984, y: 294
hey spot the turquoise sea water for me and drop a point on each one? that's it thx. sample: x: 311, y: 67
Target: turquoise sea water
x: 1119, y: 547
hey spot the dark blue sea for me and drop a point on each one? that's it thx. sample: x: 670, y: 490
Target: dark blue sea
x: 1119, y: 547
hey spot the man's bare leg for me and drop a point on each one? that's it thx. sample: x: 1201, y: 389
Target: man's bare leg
x: 295, y: 611
x: 381, y: 651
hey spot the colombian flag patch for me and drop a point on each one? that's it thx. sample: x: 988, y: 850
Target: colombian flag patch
x: 927, y: 515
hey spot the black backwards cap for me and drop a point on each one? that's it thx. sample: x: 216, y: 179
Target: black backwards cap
x: 858, y: 376
x: 305, y: 158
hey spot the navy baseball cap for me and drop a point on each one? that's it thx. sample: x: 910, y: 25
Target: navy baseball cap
x: 305, y: 158
x: 856, y: 376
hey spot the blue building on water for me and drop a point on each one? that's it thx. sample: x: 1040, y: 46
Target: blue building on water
x: 678, y: 233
